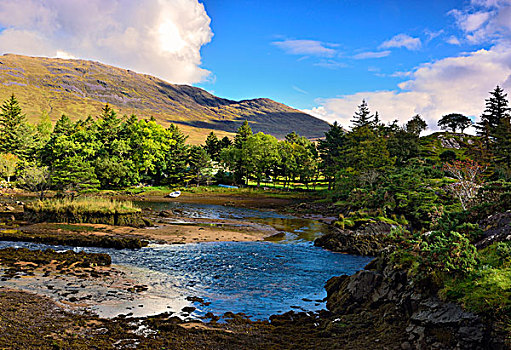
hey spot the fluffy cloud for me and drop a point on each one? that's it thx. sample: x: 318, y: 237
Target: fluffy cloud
x: 485, y: 20
x: 306, y: 47
x: 455, y: 84
x: 158, y: 37
x: 403, y: 40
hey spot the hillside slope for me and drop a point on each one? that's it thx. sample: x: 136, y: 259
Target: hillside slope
x: 79, y: 88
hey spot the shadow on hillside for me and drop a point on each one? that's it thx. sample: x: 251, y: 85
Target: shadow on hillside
x: 276, y: 124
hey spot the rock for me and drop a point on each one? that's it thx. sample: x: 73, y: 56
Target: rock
x: 388, y: 295
x: 366, y: 240
x: 166, y: 213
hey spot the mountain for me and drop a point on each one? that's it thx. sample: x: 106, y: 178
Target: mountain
x: 79, y: 88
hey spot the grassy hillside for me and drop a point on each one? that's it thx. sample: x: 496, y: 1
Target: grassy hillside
x: 79, y: 88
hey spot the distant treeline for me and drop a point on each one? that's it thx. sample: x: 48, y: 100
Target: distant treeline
x: 112, y: 152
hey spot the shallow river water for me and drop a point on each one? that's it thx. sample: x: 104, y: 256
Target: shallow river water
x: 256, y: 278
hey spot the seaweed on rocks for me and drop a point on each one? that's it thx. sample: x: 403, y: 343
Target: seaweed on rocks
x: 73, y: 239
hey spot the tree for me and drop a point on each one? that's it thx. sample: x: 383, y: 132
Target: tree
x: 35, y: 179
x: 454, y: 121
x: 362, y: 117
x: 496, y: 111
x: 176, y: 157
x: 73, y: 174
x: 416, y: 125
x: 16, y: 135
x: 225, y: 142
x: 468, y: 173
x: 263, y: 156
x: 403, y: 145
x: 330, y: 150
x: 8, y: 163
x: 212, y: 146
x: 240, y: 167
x: 503, y: 148
x: 199, y: 163
x: 242, y: 134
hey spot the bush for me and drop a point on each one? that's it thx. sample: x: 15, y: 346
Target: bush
x: 447, y: 252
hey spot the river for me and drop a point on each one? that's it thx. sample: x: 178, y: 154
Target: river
x: 255, y: 278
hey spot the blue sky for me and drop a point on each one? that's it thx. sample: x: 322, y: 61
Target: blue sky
x: 246, y: 62
x: 323, y: 57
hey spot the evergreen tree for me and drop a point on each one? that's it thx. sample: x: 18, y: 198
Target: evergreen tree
x: 15, y: 134
x: 199, y: 164
x: 331, y: 150
x: 225, y: 142
x: 362, y: 117
x: 242, y: 134
x: 212, y: 146
x: 496, y: 112
x: 239, y: 155
x: 503, y: 148
x: 176, y: 157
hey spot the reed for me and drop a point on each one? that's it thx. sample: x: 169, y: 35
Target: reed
x: 82, y: 205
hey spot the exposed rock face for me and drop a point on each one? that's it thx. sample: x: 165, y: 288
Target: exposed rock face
x: 431, y: 323
x: 367, y: 240
x: 497, y: 228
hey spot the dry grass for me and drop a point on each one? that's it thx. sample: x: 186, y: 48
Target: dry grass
x: 84, y: 205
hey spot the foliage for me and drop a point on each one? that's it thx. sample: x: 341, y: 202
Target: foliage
x: 447, y: 252
x: 362, y: 116
x: 35, y: 179
x: 468, y: 174
x: 496, y: 111
x: 8, y: 163
x: 16, y: 136
x: 454, y: 121
x: 416, y: 125
x: 487, y: 289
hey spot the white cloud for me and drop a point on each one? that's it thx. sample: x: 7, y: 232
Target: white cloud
x: 306, y: 47
x: 331, y: 64
x: 485, y: 20
x: 296, y: 88
x: 158, y: 37
x: 453, y: 40
x: 371, y: 54
x: 403, y: 40
x: 455, y: 84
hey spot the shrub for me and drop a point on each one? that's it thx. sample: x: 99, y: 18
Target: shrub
x: 447, y: 252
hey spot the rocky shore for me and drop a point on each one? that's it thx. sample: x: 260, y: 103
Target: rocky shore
x: 422, y: 320
x: 367, y: 240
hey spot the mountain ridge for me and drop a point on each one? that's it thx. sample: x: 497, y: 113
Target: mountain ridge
x: 79, y: 88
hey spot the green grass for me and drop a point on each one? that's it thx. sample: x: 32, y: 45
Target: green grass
x: 488, y: 289
x: 83, y: 205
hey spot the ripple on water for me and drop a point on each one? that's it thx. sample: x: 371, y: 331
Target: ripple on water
x: 256, y: 278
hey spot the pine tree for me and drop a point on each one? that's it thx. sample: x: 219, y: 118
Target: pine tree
x: 212, y: 146
x: 244, y: 131
x: 14, y: 130
x: 331, y: 150
x: 496, y: 112
x: 362, y: 117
